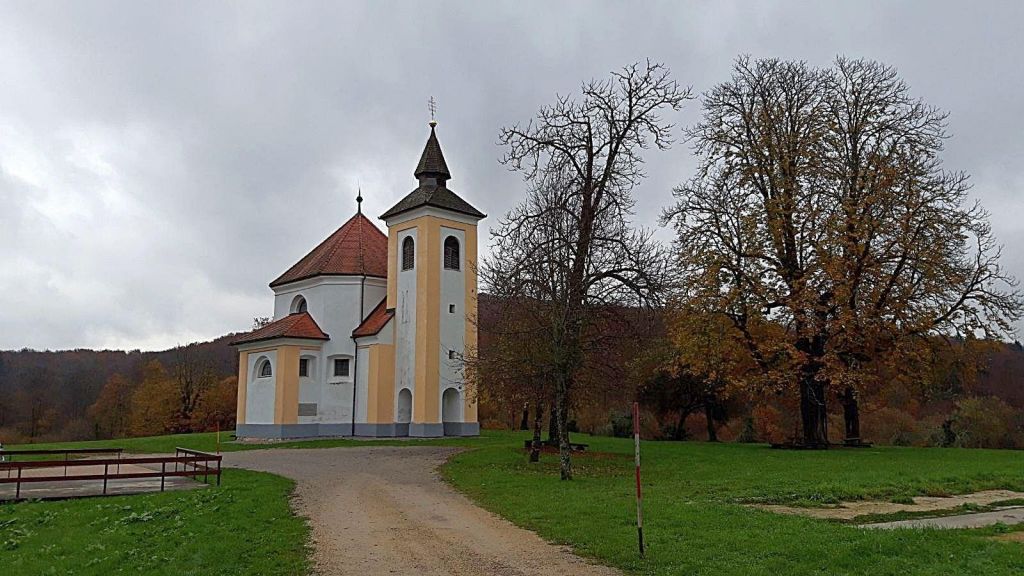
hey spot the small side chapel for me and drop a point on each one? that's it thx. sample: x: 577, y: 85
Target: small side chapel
x: 370, y: 328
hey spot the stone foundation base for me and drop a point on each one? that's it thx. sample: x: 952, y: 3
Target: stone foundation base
x: 391, y: 430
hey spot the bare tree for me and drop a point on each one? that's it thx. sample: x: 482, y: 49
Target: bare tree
x: 569, y: 246
x: 821, y: 206
x: 192, y: 376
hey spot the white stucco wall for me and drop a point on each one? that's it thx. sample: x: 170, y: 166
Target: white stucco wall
x: 453, y: 325
x: 334, y: 303
x: 405, y: 322
x: 259, y: 393
x: 310, y: 387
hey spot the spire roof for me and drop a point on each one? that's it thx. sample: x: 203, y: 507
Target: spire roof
x: 357, y: 248
x: 432, y: 162
x: 432, y: 172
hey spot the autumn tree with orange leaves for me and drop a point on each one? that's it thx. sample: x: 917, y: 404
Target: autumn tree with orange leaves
x: 822, y: 224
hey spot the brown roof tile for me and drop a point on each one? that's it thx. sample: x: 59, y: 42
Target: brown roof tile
x: 355, y: 249
x: 375, y: 321
x: 299, y: 325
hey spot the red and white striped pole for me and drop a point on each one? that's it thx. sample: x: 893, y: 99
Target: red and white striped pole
x: 639, y: 494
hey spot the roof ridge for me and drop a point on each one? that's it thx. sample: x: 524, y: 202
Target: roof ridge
x: 341, y: 253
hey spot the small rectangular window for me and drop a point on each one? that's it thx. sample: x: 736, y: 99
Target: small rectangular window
x: 451, y: 354
x: 341, y: 367
x: 451, y: 308
x: 303, y: 367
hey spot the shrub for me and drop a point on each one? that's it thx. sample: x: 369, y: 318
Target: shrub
x: 770, y: 424
x: 985, y: 422
x: 894, y: 427
x: 747, y: 433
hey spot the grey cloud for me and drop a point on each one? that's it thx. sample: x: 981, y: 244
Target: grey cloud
x: 160, y: 163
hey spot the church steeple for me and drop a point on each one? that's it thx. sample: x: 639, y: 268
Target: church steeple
x: 432, y: 173
x: 432, y: 169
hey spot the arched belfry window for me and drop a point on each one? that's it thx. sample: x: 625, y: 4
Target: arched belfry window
x: 408, y: 253
x: 265, y: 370
x: 451, y: 253
x: 299, y: 305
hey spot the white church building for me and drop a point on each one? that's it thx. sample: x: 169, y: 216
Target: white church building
x: 370, y: 328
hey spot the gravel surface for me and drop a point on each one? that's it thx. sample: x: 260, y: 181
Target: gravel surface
x: 385, y: 510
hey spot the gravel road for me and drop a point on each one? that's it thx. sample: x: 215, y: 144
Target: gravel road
x: 385, y: 510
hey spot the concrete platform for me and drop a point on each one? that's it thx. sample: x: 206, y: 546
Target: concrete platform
x: 1009, y: 516
x: 59, y: 489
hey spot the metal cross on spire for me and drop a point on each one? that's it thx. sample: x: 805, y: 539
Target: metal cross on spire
x: 432, y: 106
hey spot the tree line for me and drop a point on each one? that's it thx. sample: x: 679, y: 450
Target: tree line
x: 821, y: 248
x: 86, y: 394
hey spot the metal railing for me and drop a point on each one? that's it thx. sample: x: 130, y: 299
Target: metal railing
x: 192, y: 464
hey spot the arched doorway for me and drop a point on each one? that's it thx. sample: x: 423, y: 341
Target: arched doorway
x: 451, y: 412
x: 404, y: 415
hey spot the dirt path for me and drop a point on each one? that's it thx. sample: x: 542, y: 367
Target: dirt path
x: 385, y: 510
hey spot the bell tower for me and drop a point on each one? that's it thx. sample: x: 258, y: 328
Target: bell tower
x: 432, y: 288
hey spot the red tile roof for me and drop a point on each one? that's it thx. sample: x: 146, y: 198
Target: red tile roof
x: 375, y: 321
x: 355, y: 249
x: 298, y: 325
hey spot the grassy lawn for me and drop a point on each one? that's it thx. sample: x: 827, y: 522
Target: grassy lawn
x: 207, y: 441
x: 694, y: 523
x: 242, y: 527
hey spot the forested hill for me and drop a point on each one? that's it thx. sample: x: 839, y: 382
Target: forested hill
x: 52, y: 391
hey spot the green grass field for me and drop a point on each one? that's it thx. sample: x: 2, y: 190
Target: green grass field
x: 207, y: 441
x: 695, y: 520
x: 243, y: 527
x: 695, y: 523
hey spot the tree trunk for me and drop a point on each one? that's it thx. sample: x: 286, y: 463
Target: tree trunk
x: 553, y: 425
x: 562, y: 411
x: 851, y: 414
x: 812, y: 413
x: 677, y: 434
x: 524, y: 424
x: 709, y: 415
x: 813, y: 406
x: 538, y: 423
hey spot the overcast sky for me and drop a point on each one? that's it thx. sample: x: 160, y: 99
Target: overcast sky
x: 160, y: 163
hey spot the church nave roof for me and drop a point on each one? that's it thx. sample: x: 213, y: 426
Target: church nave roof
x: 357, y: 248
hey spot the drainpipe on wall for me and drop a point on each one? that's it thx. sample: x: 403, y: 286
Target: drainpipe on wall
x: 355, y: 357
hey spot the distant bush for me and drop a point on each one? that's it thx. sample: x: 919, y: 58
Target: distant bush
x: 747, y: 434
x: 986, y: 422
x: 894, y: 427
x: 771, y: 425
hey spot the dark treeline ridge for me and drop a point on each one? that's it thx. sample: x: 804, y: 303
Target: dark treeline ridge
x: 52, y: 395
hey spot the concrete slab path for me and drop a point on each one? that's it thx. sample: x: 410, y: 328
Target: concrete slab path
x: 386, y: 510
x: 1009, y: 516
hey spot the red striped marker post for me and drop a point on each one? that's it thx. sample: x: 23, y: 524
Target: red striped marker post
x: 639, y: 494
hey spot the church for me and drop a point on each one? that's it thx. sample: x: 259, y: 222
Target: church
x: 371, y: 327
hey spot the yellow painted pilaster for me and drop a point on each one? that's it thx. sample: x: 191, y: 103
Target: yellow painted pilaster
x: 380, y: 397
x: 286, y: 393
x: 243, y: 381
x: 469, y: 394
x: 428, y: 309
x: 393, y: 266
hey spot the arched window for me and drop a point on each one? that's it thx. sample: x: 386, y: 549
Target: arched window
x: 451, y: 253
x: 408, y: 253
x: 264, y: 369
x: 299, y: 305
